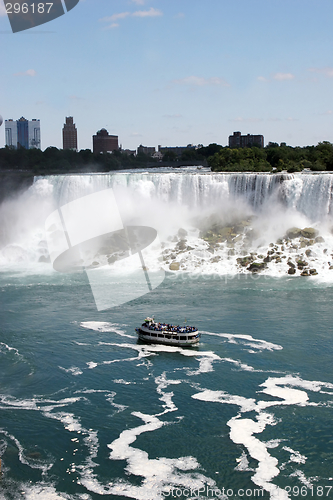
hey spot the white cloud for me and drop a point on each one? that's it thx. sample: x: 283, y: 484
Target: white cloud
x: 115, y: 17
x: 139, y: 13
x: 283, y: 76
x: 148, y: 13
x: 199, y: 81
x: 29, y: 72
x: 262, y: 79
x: 325, y: 71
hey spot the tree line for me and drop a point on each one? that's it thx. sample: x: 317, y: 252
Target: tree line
x: 273, y: 157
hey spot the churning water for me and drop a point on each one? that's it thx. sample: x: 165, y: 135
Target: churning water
x: 87, y: 412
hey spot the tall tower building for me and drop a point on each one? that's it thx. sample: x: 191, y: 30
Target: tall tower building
x: 69, y: 134
x: 23, y: 133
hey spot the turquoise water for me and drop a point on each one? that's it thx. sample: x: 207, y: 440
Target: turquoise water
x: 87, y: 412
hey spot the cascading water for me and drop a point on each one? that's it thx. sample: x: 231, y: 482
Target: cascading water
x: 245, y: 212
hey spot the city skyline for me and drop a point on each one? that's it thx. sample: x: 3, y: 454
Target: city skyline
x: 166, y: 72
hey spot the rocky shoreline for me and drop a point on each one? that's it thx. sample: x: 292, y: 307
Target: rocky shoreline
x: 300, y: 252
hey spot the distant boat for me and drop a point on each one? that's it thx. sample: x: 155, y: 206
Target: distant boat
x: 163, y: 333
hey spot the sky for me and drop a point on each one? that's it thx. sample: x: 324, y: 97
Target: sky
x: 174, y: 72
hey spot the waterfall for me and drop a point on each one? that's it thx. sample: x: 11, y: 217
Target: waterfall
x: 309, y: 194
x: 223, y: 215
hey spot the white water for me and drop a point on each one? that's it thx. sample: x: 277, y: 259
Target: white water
x: 168, y: 201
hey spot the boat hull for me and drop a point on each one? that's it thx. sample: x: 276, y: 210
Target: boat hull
x: 168, y: 338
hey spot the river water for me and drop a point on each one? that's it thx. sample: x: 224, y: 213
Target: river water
x: 88, y: 412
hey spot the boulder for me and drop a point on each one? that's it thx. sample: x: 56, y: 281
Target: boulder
x: 181, y: 245
x: 319, y: 239
x: 291, y: 270
x: 255, y: 267
x: 244, y: 261
x: 174, y: 266
x: 305, y: 273
x: 309, y: 232
x: 291, y: 264
x: 182, y: 233
x: 294, y: 232
x: 313, y: 272
x: 225, y: 232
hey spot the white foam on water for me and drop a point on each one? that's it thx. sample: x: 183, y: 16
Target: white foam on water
x: 74, y: 370
x: 243, y: 463
x: 248, y: 340
x: 290, y: 390
x: 158, y: 474
x: 44, y: 491
x: 69, y: 421
x: 166, y: 397
x: 245, y: 404
x: 242, y: 432
x: 5, y: 347
x: 122, y: 381
x: 295, y: 456
x: 91, y: 365
x: 24, y: 459
x: 105, y: 327
x: 308, y: 482
x: 274, y: 443
x: 110, y: 398
x: 242, y: 366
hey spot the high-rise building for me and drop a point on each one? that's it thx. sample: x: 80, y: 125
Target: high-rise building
x: 237, y: 140
x: 104, y: 143
x: 23, y: 133
x: 69, y: 134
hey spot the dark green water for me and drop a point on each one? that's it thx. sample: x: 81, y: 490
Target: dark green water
x: 86, y: 412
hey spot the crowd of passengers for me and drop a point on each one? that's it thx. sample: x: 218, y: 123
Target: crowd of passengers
x: 160, y: 327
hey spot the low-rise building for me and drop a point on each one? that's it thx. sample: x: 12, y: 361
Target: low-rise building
x: 177, y: 150
x: 237, y: 140
x: 147, y: 150
x: 104, y: 143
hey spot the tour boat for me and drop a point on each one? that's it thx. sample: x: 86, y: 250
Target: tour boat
x: 163, y: 333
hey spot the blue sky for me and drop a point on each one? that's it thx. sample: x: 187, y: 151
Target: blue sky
x: 174, y: 72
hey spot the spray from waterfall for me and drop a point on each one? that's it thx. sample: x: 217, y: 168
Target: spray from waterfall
x: 206, y: 222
